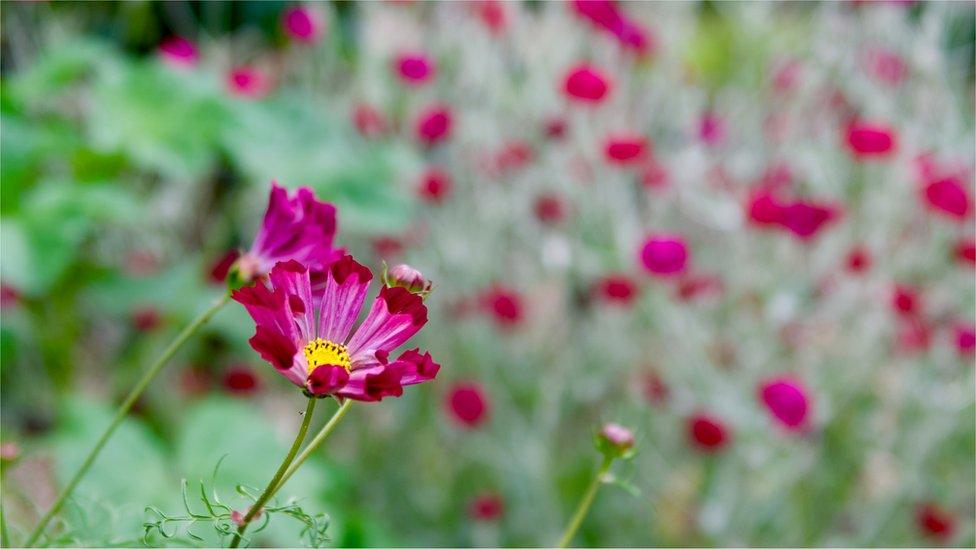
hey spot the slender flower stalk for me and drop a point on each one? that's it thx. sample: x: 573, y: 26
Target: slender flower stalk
x: 585, y: 503
x: 277, y: 479
x: 314, y: 443
x: 120, y: 414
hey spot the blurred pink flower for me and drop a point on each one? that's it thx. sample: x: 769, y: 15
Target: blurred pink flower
x: 9, y: 296
x: 241, y: 380
x: 867, y: 140
x: 965, y: 250
x: 654, y: 175
x: 625, y: 149
x: 805, y: 219
x: 606, y: 15
x: 616, y: 289
x: 694, y: 286
x: 654, y: 389
x: 179, y: 52
x: 711, y: 129
x: 786, y: 75
x: 494, y: 14
x: 964, y: 336
x: 435, y: 186
x: 707, y: 433
x: 487, y: 507
x: 787, y: 400
x: 587, y: 84
x: 468, y: 404
x: 434, y: 125
x: 303, y: 24
x: 413, y: 68
x: 664, y: 255
x: 317, y: 352
x: 146, y: 319
x: 934, y: 522
x: 858, y: 260
x: 368, y: 120
x: 549, y: 208
x: 297, y: 227
x: 886, y: 66
x: 248, y: 82
x: 914, y: 335
x: 906, y: 300
x: 555, y: 127
x: 504, y: 305
x: 948, y: 196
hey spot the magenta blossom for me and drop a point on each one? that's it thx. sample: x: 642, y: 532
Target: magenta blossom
x: 179, y: 52
x: 605, y: 15
x: 664, y: 255
x: 317, y: 352
x: 414, y: 68
x: 302, y: 24
x: 947, y: 196
x: 248, y: 82
x: 297, y: 227
x: 787, y: 400
x: 434, y: 125
x: 587, y: 84
x: 805, y: 219
x: 866, y: 141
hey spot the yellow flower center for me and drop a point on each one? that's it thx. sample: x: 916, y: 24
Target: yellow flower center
x: 319, y: 352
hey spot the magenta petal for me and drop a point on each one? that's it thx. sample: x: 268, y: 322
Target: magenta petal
x: 345, y: 291
x: 372, y: 384
x: 395, y: 316
x: 417, y: 368
x: 291, y: 279
x: 327, y: 379
x: 299, y: 228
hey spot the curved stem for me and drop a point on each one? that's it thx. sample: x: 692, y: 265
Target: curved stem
x: 315, y: 442
x: 585, y: 503
x: 120, y: 414
x: 272, y: 486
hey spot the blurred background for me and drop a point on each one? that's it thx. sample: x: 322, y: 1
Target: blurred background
x: 808, y: 169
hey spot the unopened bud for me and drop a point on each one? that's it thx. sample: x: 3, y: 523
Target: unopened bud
x: 409, y: 278
x: 243, y: 272
x: 615, y: 441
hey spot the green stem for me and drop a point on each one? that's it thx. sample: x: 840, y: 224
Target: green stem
x: 120, y: 414
x: 273, y: 485
x: 4, y: 535
x: 315, y: 442
x: 585, y: 503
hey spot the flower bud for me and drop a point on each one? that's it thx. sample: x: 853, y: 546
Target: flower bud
x: 9, y: 452
x: 615, y: 441
x: 407, y: 277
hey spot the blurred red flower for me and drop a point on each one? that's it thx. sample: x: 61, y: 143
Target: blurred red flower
x: 787, y: 400
x: 368, y: 120
x: 487, y: 507
x: 241, y: 380
x: 549, y: 208
x: 587, y: 84
x: 616, y: 289
x: 435, y: 186
x: 413, y: 68
x: 966, y: 250
x: 858, y: 260
x: 948, y: 196
x: 934, y: 522
x: 964, y: 336
x: 504, y: 305
x: 248, y: 82
x: 867, y: 140
x: 303, y: 24
x: 664, y: 255
x: 625, y: 149
x: 707, y: 433
x: 468, y: 404
x: 146, y: 319
x: 434, y: 125
x: 906, y: 300
x: 179, y: 52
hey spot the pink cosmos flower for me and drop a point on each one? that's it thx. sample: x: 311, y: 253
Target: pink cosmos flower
x: 707, y: 433
x: 248, y: 82
x: 654, y: 389
x: 179, y: 52
x: 586, y: 84
x: 413, y: 68
x: 869, y: 140
x: 297, y: 227
x: 310, y: 339
x: 240, y: 380
x: 303, y: 24
x: 934, y: 522
x: 787, y: 400
x: 625, y: 149
x: 664, y: 255
x: 616, y: 289
x: 948, y: 196
x: 435, y: 185
x: 913, y: 335
x: 494, y: 14
x: 964, y: 336
x: 764, y: 209
x: 434, y: 125
x: 468, y: 404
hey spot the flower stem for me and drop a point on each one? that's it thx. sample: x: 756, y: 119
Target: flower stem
x: 585, y: 503
x: 315, y: 442
x: 120, y: 414
x: 273, y: 485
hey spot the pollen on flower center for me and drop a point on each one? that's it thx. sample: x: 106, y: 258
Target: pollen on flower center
x: 319, y: 352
